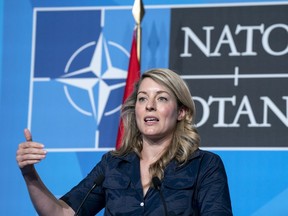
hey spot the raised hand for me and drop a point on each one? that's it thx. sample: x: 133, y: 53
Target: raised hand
x: 29, y: 152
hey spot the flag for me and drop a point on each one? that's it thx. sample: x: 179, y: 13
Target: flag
x: 133, y: 76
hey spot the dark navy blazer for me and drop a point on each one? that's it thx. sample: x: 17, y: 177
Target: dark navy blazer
x: 121, y: 192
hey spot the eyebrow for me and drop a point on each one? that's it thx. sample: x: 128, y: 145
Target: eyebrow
x: 158, y: 92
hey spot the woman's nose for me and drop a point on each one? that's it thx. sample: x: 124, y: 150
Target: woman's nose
x: 150, y: 106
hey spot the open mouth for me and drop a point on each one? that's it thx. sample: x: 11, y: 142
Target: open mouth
x: 151, y: 119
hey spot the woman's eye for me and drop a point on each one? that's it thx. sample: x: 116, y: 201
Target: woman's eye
x: 140, y: 99
x: 162, y: 99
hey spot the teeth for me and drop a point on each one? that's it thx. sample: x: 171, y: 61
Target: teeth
x: 151, y: 119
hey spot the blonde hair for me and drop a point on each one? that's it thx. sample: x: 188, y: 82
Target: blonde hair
x: 186, y: 138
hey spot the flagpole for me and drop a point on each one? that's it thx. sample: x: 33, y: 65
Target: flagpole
x: 138, y: 13
x: 133, y: 74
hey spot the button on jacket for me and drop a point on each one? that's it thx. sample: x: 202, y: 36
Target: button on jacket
x: 201, y: 184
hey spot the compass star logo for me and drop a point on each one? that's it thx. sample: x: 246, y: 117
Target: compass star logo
x: 104, y: 73
x: 78, y: 75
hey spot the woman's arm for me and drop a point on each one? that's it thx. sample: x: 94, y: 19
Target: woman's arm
x: 213, y: 195
x: 45, y: 203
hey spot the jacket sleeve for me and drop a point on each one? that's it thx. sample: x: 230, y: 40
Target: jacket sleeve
x: 213, y: 192
x: 96, y: 199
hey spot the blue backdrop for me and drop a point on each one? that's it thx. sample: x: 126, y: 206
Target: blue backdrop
x: 44, y: 44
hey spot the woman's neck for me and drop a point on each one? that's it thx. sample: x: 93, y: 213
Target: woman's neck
x: 152, y: 150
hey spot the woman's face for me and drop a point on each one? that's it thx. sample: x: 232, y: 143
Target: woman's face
x: 156, y: 110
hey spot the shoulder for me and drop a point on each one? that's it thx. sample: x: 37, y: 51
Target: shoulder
x: 111, y: 159
x: 208, y: 156
x: 212, y: 184
x: 211, y: 165
x: 207, y: 162
x: 204, y: 156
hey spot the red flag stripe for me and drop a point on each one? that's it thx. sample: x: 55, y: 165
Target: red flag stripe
x: 132, y: 76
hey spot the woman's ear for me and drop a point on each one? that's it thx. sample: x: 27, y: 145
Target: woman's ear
x: 181, y: 113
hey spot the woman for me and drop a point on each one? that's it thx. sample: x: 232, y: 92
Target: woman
x: 159, y: 169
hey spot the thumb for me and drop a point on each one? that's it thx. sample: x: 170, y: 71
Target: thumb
x: 28, y: 135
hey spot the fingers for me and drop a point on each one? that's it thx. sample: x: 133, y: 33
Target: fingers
x: 27, y: 135
x: 29, y: 153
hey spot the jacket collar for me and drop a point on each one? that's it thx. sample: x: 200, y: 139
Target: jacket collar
x: 131, y: 157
